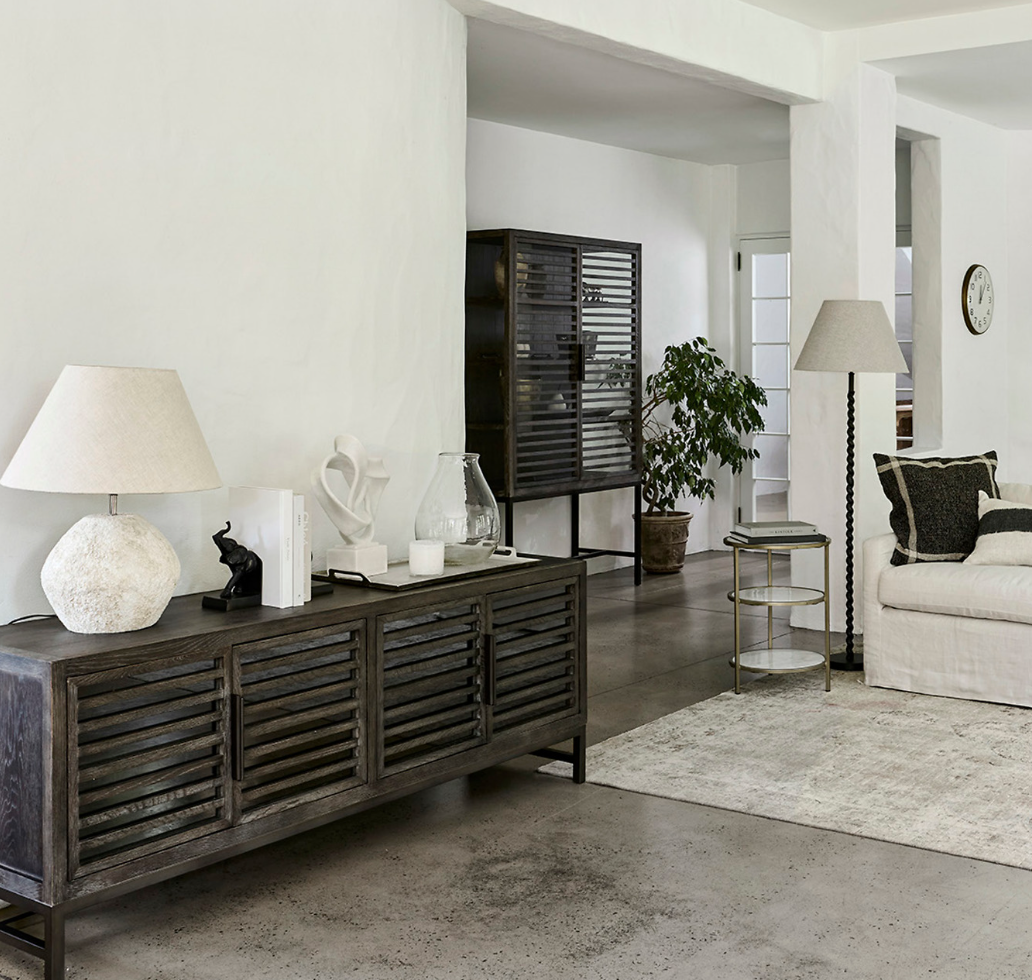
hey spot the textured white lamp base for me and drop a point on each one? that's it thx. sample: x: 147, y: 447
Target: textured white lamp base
x: 369, y: 559
x: 110, y: 574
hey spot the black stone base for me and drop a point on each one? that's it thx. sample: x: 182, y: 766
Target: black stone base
x: 215, y: 601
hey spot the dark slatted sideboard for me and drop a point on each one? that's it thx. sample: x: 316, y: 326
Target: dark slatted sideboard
x: 130, y: 758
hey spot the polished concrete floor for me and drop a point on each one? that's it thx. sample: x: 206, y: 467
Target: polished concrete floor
x: 509, y: 874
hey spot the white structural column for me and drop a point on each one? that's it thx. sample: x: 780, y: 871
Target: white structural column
x: 843, y: 241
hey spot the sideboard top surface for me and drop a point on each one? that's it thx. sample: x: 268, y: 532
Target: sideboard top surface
x: 48, y: 641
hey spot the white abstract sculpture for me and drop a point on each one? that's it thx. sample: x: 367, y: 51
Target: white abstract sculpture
x: 366, y: 479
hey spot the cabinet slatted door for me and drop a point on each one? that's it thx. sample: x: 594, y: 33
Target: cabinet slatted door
x: 545, y: 363
x: 300, y: 715
x: 535, y: 642
x: 553, y: 362
x: 147, y: 759
x: 610, y: 392
x: 430, y: 680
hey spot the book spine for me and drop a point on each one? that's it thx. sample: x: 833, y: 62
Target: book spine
x: 307, y: 588
x: 298, y: 551
x: 779, y: 538
x: 286, y: 568
x: 780, y: 532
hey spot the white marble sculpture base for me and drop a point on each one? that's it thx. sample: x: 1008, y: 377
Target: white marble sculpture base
x: 367, y: 559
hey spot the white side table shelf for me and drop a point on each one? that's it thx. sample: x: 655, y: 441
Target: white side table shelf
x: 784, y: 660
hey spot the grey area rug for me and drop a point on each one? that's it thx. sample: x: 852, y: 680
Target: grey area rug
x: 939, y: 773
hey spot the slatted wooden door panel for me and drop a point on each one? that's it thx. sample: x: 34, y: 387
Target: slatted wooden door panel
x: 533, y: 655
x: 147, y: 759
x: 299, y: 718
x: 430, y: 682
x: 545, y: 364
x: 611, y: 388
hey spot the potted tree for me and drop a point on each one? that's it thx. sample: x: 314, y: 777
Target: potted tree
x: 695, y: 409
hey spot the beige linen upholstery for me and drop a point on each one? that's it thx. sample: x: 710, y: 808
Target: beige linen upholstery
x: 954, y: 639
x: 960, y: 589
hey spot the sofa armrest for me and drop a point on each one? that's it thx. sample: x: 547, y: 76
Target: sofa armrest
x: 877, y: 557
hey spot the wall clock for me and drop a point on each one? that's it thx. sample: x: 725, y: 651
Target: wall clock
x: 977, y: 297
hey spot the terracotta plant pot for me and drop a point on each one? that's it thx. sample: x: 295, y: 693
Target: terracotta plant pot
x: 663, y: 539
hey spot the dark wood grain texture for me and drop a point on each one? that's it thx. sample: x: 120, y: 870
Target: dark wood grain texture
x: 21, y: 770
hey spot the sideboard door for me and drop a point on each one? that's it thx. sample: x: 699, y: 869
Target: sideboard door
x: 535, y: 656
x: 429, y: 685
x: 299, y: 717
x: 147, y: 759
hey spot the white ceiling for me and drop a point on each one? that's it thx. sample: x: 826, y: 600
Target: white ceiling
x: 534, y: 82
x: 992, y: 84
x: 524, y: 79
x: 839, y: 15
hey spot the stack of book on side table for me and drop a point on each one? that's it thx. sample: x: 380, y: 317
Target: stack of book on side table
x: 775, y: 532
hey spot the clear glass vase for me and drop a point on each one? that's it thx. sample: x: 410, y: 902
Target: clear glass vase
x: 460, y: 510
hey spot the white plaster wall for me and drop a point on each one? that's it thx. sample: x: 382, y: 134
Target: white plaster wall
x: 1019, y: 296
x: 518, y: 178
x: 269, y: 199
x: 977, y: 217
x: 763, y: 206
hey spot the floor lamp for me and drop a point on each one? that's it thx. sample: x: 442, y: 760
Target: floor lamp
x: 851, y: 336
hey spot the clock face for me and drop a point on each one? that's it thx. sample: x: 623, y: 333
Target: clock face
x: 977, y: 296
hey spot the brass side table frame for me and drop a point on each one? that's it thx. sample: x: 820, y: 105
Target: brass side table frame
x: 784, y: 660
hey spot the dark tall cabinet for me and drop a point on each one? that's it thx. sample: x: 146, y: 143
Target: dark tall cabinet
x: 553, y: 368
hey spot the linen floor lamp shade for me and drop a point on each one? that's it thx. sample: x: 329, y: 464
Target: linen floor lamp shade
x: 851, y: 336
x: 112, y: 430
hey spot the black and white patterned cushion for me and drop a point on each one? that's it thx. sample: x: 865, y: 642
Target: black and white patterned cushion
x: 1004, y: 533
x: 935, y: 504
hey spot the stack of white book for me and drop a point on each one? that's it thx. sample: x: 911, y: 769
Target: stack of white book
x: 274, y: 525
x: 775, y: 532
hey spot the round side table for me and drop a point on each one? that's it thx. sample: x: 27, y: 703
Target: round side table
x: 782, y: 660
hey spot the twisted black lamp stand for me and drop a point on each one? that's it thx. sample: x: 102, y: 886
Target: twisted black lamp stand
x: 850, y: 660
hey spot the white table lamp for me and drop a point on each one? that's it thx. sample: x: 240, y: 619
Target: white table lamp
x: 112, y: 430
x: 851, y: 336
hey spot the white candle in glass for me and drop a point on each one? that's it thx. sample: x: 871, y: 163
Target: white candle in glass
x: 426, y: 557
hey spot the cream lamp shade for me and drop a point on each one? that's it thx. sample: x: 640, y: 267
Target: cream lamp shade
x: 112, y: 430
x: 852, y: 335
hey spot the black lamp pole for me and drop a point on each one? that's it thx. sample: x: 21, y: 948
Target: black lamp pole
x: 850, y: 660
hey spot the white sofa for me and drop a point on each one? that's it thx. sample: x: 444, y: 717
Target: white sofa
x: 949, y: 628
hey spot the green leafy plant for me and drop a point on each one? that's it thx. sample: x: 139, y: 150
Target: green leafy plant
x: 710, y: 409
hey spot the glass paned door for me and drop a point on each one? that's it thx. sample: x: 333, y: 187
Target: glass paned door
x: 764, y: 306
x: 905, y: 337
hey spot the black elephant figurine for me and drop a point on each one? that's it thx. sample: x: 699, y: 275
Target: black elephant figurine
x: 245, y: 565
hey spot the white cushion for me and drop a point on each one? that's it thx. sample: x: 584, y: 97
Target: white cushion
x: 1004, y: 533
x: 958, y: 589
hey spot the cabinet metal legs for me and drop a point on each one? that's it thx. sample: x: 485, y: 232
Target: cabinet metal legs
x: 580, y: 764
x: 577, y: 758
x: 14, y: 924
x: 576, y: 550
x: 54, y: 945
